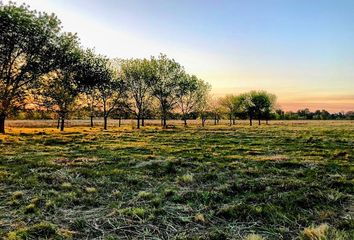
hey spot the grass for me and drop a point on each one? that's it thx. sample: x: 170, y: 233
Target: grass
x: 288, y: 180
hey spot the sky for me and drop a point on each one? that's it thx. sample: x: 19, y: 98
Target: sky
x: 300, y: 50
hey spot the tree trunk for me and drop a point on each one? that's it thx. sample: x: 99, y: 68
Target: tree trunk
x: 164, y: 122
x: 105, y: 122
x: 142, y: 121
x: 185, y: 121
x: 138, y: 122
x: 267, y: 121
x: 62, y: 125
x: 2, y: 123
x: 203, y: 122
x: 233, y: 121
x: 230, y: 120
x: 119, y: 122
x: 259, y: 118
x: 58, y: 125
x: 215, y: 119
x: 92, y: 121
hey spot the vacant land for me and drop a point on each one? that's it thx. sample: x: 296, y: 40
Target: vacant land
x: 288, y: 180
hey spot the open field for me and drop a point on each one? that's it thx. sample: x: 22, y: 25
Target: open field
x: 217, y: 182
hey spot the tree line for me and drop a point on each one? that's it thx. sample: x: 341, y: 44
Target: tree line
x: 44, y: 69
x: 306, y: 114
x: 44, y: 66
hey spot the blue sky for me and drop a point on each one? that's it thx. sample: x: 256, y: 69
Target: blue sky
x: 303, y: 51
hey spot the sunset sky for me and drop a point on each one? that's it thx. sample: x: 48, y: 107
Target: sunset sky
x: 301, y: 50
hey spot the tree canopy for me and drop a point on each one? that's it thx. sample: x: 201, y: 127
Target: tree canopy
x: 40, y: 62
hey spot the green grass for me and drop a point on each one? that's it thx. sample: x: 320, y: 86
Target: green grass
x: 290, y: 180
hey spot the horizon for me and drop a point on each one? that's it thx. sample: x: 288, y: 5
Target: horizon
x: 300, y: 51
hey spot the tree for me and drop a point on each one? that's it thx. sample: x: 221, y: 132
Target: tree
x: 238, y: 110
x: 187, y: 95
x: 137, y: 74
x: 112, y: 93
x: 305, y: 114
x: 61, y: 86
x: 247, y: 105
x: 28, y: 50
x: 257, y: 103
x: 279, y: 114
x: 203, y: 105
x: 59, y: 93
x: 91, y: 98
x: 349, y: 115
x: 100, y: 81
x: 215, y: 109
x: 228, y: 105
x: 164, y: 84
x: 78, y: 71
x: 269, y: 106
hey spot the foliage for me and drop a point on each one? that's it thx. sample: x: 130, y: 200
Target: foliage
x: 186, y: 94
x: 29, y: 48
x: 164, y: 83
x: 137, y: 74
x: 111, y: 90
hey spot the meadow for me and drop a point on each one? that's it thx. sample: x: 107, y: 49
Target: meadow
x: 285, y: 180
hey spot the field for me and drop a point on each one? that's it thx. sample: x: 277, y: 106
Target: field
x: 286, y: 180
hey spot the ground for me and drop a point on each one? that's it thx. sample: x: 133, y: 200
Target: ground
x: 286, y: 180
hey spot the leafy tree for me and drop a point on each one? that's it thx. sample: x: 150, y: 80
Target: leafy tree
x: 279, y: 114
x: 228, y: 105
x: 215, y: 109
x: 164, y: 84
x: 238, y: 110
x: 100, y: 75
x: 138, y: 74
x: 113, y: 95
x: 247, y: 105
x: 269, y: 106
x: 350, y: 115
x: 91, y: 99
x: 28, y: 50
x: 203, y: 105
x: 78, y: 71
x: 59, y: 88
x: 257, y: 103
x: 305, y: 114
x: 187, y: 95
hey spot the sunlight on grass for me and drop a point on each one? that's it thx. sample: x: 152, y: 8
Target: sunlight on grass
x: 275, y: 181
